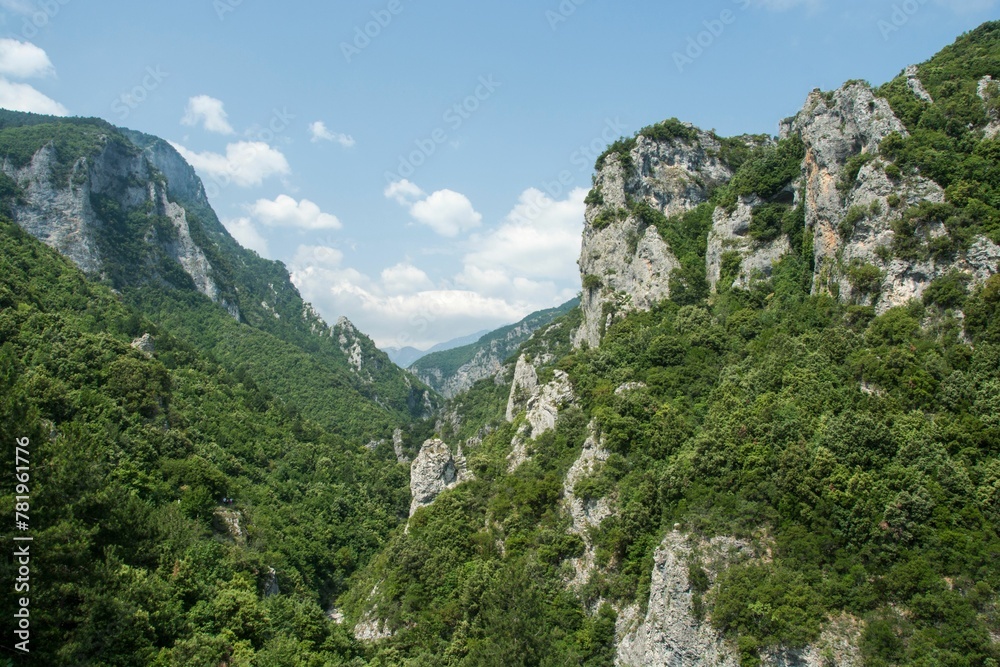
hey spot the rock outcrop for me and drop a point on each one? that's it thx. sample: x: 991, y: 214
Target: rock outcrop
x: 435, y: 470
x: 586, y: 513
x: 541, y: 404
x: 672, y: 634
x: 852, y: 199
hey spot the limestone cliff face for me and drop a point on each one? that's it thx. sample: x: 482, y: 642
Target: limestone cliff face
x: 435, y: 470
x: 62, y: 213
x: 836, y: 128
x: 630, y: 261
x: 851, y: 198
x: 671, y: 633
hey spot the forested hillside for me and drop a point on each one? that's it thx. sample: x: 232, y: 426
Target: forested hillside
x: 136, y: 560
x: 776, y: 437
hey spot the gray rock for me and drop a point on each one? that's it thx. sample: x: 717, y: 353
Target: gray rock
x: 145, y: 345
x: 914, y: 83
x: 586, y: 514
x: 435, y: 470
x: 522, y: 388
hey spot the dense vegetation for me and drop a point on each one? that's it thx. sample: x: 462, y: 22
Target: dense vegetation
x: 946, y: 141
x: 132, y: 455
x: 861, y: 451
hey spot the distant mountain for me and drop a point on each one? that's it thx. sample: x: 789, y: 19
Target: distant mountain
x: 452, y: 371
x: 404, y: 357
x: 128, y: 210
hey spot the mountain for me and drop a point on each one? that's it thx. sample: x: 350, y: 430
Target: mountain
x: 404, y: 357
x: 129, y: 211
x: 767, y: 436
x: 451, y: 371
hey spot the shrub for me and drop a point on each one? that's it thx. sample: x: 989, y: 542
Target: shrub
x: 595, y: 197
x: 893, y: 172
x: 865, y: 278
x: 592, y: 282
x: 769, y: 170
x: 854, y: 215
x: 766, y: 221
x: 948, y: 291
x: 849, y: 174
x: 669, y: 130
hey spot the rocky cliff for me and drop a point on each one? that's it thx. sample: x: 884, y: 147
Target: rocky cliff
x: 849, y: 197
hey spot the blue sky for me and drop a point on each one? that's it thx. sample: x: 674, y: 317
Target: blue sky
x: 420, y: 166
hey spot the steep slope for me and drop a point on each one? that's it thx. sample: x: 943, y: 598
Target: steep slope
x: 453, y: 371
x: 125, y: 207
x: 771, y: 438
x: 135, y: 438
x: 888, y: 190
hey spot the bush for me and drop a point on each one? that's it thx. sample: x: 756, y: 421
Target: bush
x: 591, y: 282
x: 851, y: 169
x: 948, y: 291
x: 854, y: 215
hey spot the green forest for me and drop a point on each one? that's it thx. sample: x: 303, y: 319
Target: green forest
x: 230, y: 495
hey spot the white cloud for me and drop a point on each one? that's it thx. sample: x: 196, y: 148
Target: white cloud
x: 405, y: 278
x: 245, y: 163
x: 23, y: 60
x: 246, y: 234
x: 404, y: 192
x: 539, y: 240
x: 528, y: 262
x: 447, y: 212
x: 209, y: 113
x: 320, y: 132
x: 286, y: 212
x: 318, y: 256
x: 22, y: 97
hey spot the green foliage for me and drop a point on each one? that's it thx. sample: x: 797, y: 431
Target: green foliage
x: 851, y: 169
x: 595, y: 197
x: 131, y: 457
x: 946, y: 141
x: 623, y: 149
x: 770, y: 169
x: 670, y: 130
x: 592, y: 282
x: 769, y: 221
x: 948, y: 291
x: 865, y: 278
x: 608, y: 217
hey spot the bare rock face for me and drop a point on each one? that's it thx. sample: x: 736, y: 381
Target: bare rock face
x: 852, y: 226
x: 523, y: 387
x: 542, y: 410
x: 586, y: 513
x: 435, y: 470
x: 631, y: 261
x: 144, y: 344
x: 670, y: 634
x: 731, y: 233
x: 61, y: 214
